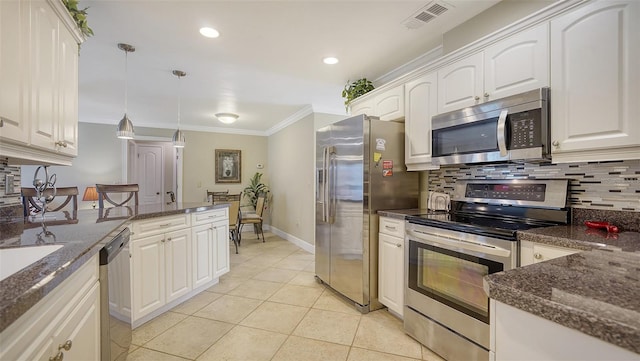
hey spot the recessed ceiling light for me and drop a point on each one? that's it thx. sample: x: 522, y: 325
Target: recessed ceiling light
x: 227, y: 118
x: 330, y: 60
x: 209, y: 32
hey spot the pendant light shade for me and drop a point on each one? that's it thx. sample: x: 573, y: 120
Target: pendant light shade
x: 178, y: 137
x: 125, y: 127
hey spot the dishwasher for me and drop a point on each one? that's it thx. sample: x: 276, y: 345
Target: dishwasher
x: 115, y: 298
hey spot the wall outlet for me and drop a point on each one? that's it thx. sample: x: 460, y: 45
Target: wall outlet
x: 8, y: 184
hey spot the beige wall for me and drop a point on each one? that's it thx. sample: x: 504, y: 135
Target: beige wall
x: 490, y: 20
x: 292, y: 176
x: 199, y: 162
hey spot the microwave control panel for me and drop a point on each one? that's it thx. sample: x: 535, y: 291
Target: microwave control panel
x: 525, y: 129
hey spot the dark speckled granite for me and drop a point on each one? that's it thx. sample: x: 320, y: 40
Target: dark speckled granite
x: 596, y: 292
x: 401, y: 213
x: 83, y: 235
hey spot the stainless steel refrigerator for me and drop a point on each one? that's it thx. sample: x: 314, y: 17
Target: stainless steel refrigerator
x: 359, y: 170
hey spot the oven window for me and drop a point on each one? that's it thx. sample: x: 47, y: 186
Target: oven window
x: 452, y: 278
x: 476, y: 137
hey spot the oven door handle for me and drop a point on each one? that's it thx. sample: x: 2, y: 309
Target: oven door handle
x: 460, y: 244
x: 502, y: 142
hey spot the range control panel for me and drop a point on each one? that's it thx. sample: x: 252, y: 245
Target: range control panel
x: 518, y: 192
x: 525, y: 128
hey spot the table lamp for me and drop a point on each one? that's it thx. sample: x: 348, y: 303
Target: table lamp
x: 90, y: 194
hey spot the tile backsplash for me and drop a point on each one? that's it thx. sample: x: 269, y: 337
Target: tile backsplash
x: 611, y: 185
x: 5, y: 169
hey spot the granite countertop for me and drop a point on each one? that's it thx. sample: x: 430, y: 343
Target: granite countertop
x: 596, y: 291
x: 82, y: 235
x: 401, y: 213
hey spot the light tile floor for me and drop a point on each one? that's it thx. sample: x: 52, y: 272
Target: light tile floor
x: 269, y: 307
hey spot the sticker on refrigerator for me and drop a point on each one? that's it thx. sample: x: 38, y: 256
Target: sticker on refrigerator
x: 377, y: 156
x: 387, y: 168
x: 380, y: 144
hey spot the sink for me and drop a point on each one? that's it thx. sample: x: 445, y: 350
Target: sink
x: 13, y: 260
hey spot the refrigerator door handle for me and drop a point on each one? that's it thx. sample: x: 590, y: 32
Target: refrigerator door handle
x: 324, y: 188
x: 331, y: 174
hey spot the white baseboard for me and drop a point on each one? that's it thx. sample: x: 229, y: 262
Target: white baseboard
x: 293, y: 239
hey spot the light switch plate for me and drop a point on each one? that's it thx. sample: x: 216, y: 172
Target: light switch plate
x: 8, y: 184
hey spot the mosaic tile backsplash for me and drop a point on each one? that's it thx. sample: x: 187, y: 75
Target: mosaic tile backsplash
x: 611, y: 185
x: 9, y: 199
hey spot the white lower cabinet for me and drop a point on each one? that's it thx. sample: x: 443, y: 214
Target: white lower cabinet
x: 531, y: 252
x: 171, y: 260
x: 520, y: 335
x: 391, y: 264
x: 594, y: 94
x: 64, y: 324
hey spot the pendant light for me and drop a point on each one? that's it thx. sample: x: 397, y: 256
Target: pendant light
x: 178, y: 136
x: 125, y: 127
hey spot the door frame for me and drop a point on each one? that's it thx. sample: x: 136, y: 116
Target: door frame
x: 177, y: 153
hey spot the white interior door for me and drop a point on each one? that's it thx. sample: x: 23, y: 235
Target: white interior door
x: 150, y: 174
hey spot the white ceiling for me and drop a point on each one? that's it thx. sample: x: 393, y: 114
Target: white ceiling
x: 266, y: 66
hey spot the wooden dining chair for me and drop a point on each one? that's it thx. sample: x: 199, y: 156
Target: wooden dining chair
x: 254, y: 218
x: 104, y: 191
x: 31, y: 206
x: 234, y: 218
x: 218, y: 197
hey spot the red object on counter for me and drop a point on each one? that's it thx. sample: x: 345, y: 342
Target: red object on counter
x: 602, y: 225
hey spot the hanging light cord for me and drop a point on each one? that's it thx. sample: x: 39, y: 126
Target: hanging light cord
x: 179, y: 100
x: 126, y: 76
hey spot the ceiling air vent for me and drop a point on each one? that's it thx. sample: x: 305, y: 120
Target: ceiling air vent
x: 426, y: 14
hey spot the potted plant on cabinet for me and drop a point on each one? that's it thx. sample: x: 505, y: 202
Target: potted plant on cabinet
x: 355, y: 89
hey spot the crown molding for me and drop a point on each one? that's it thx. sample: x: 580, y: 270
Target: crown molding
x: 410, y: 66
x: 300, y: 114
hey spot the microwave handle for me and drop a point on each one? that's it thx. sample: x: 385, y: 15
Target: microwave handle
x: 502, y: 141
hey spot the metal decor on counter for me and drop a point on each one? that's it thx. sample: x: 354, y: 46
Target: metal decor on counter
x: 41, y: 185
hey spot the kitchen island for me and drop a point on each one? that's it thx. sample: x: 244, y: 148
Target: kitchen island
x: 582, y: 306
x: 82, y: 235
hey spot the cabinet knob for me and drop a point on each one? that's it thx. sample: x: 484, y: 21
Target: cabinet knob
x: 486, y: 95
x: 537, y: 256
x: 61, y: 143
x: 398, y: 245
x: 66, y: 346
x: 58, y: 357
x: 555, y: 143
x: 163, y: 240
x: 168, y: 238
x: 476, y: 98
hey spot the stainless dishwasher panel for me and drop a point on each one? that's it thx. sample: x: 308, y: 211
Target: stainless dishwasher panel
x: 115, y: 298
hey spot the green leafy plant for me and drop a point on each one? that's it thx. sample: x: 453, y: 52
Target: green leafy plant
x: 355, y: 89
x: 80, y: 16
x: 254, y: 189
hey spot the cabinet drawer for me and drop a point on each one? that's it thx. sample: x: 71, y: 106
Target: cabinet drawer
x: 153, y: 226
x: 209, y: 216
x: 543, y: 253
x: 391, y: 226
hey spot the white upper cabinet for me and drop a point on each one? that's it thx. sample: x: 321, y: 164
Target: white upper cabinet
x: 517, y: 64
x: 595, y: 82
x: 39, y: 74
x: 513, y: 65
x: 389, y: 105
x: 460, y: 84
x: 421, y: 102
x: 13, y: 22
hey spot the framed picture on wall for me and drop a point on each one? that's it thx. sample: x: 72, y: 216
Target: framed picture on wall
x: 228, y: 166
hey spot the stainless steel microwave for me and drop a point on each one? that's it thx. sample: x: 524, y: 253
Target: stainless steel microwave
x: 511, y: 128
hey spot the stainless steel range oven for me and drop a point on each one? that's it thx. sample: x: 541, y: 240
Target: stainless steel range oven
x: 447, y: 255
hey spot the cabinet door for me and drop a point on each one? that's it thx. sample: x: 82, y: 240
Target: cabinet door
x: 14, y: 16
x: 148, y: 270
x: 203, y: 253
x: 68, y: 93
x: 543, y: 253
x: 44, y: 86
x: 517, y: 64
x: 221, y: 264
x: 460, y: 84
x: 81, y: 329
x: 390, y: 104
x: 362, y: 107
x: 177, y: 263
x: 391, y: 272
x: 421, y: 102
x: 595, y: 72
